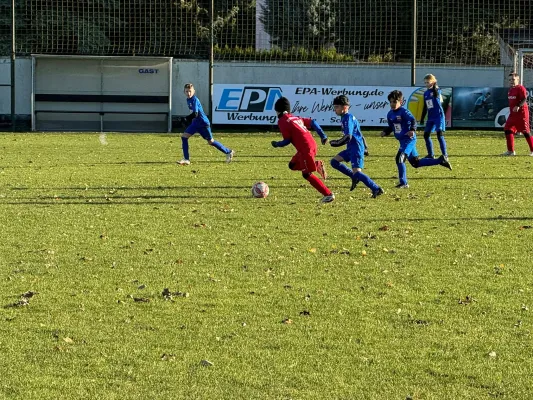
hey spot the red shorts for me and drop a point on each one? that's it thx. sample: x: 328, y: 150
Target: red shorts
x: 304, y: 162
x: 517, y: 122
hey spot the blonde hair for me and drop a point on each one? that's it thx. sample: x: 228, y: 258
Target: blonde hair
x: 431, y: 78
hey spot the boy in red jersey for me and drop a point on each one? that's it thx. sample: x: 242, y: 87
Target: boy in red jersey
x: 295, y: 130
x: 518, y: 120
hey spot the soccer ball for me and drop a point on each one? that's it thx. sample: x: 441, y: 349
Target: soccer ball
x: 501, y: 118
x: 260, y: 190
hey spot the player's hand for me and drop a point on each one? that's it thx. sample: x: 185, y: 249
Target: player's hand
x: 516, y: 108
x: 274, y: 143
x: 411, y: 134
x: 324, y: 140
x: 184, y: 122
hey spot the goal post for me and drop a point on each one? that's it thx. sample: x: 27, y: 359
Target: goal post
x: 525, y: 67
x: 99, y: 93
x: 525, y: 70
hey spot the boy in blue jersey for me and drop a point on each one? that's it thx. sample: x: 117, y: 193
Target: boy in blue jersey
x: 436, y: 119
x: 355, y: 148
x: 198, y: 122
x: 403, y: 124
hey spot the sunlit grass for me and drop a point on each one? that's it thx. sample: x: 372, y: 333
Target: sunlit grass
x: 422, y: 293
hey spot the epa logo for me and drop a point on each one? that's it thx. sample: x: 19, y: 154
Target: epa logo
x: 249, y: 99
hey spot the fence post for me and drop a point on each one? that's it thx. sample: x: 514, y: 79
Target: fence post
x: 211, y: 55
x: 413, y: 38
x: 13, y: 85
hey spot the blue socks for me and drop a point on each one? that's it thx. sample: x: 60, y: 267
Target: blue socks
x: 369, y: 183
x: 343, y: 168
x: 429, y: 145
x: 185, y: 147
x: 221, y: 147
x: 402, y: 172
x: 427, y: 162
x: 442, y: 144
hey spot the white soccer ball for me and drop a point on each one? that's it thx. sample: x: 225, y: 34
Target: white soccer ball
x: 501, y: 117
x: 260, y: 190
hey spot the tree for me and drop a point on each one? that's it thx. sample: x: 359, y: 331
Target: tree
x: 308, y: 24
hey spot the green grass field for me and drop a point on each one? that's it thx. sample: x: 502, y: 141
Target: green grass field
x: 125, y: 276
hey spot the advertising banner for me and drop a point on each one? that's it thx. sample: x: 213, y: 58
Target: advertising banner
x: 486, y: 107
x: 254, y: 104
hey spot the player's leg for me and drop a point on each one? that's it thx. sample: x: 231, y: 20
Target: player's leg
x: 185, y: 145
x: 359, y: 176
x: 476, y: 107
x: 529, y: 140
x: 510, y: 130
x: 208, y: 135
x: 430, y: 127
x: 440, y: 137
x: 296, y: 163
x: 357, y: 160
x: 321, y: 169
x: 337, y: 163
x: 418, y: 162
x: 402, y: 169
x: 308, y: 163
x: 525, y: 129
x: 442, y: 143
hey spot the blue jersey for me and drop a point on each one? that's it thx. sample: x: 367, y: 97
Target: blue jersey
x: 481, y: 100
x: 433, y: 103
x: 350, y: 127
x: 196, y: 107
x: 400, y: 122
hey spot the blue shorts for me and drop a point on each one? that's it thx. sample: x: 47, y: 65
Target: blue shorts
x: 354, y: 155
x: 409, y: 148
x: 433, y: 125
x: 203, y: 130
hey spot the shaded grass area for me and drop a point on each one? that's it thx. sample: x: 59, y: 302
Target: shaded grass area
x: 422, y: 293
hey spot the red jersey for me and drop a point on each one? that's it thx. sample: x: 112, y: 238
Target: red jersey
x: 515, y: 95
x: 296, y: 129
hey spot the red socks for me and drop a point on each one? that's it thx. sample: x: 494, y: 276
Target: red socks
x: 510, y: 141
x: 318, y: 185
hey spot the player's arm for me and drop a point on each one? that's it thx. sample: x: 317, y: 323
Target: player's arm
x: 388, y: 129
x: 340, y: 142
x: 311, y: 124
x: 195, y: 110
x: 523, y: 92
x: 287, y: 137
x: 411, y: 123
x: 438, y: 96
x: 424, y: 112
x: 281, y: 143
x: 189, y: 118
x: 347, y: 130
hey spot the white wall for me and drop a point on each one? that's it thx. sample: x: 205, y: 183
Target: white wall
x: 22, y: 83
x: 197, y: 72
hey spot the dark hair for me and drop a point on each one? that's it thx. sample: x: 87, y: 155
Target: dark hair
x: 341, y: 100
x: 395, y: 95
x: 282, y: 105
